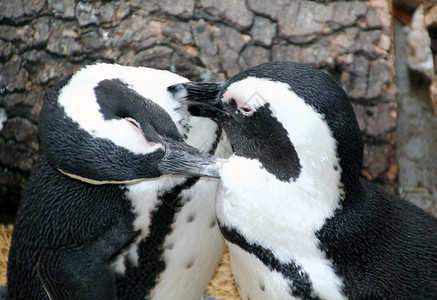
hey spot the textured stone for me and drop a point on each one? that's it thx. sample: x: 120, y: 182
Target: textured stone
x: 318, y: 55
x: 12, y: 76
x: 21, y: 106
x: 229, y: 42
x: 18, y: 35
x: 64, y: 41
x: 180, y: 32
x: 87, y: 13
x: 106, y: 13
x: 293, y: 24
x: 379, y: 77
x: 376, y: 159
x: 91, y: 40
x: 11, y: 9
x: 156, y: 57
x: 356, y: 83
x: 22, y: 130
x: 42, y: 32
x: 15, y: 156
x: 267, y: 8
x: 5, y: 50
x: 347, y: 13
x: 32, y: 7
x: 373, y: 18
x: 378, y: 120
x: 239, y: 14
x: 263, y: 31
x: 203, y: 38
x: 285, y: 52
x: 181, y: 8
x: 62, y: 8
x: 122, y: 12
x: 366, y: 42
x: 253, y: 55
x: 209, y: 9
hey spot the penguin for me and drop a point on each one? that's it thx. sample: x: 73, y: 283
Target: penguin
x: 299, y: 220
x: 115, y: 207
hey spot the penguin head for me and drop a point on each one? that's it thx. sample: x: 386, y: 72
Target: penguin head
x: 288, y: 116
x: 114, y: 124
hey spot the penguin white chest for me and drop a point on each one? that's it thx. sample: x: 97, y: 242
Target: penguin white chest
x: 270, y: 227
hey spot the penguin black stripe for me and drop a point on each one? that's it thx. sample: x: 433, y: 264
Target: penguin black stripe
x: 300, y: 284
x: 150, y: 250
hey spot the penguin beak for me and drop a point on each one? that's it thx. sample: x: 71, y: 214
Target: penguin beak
x: 183, y: 159
x: 201, y: 98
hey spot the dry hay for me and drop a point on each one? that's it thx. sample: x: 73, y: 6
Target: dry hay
x: 221, y: 287
x: 5, y: 242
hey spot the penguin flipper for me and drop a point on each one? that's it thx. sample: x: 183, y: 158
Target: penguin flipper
x: 81, y: 272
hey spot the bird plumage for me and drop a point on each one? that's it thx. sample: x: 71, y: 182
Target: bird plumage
x: 297, y: 217
x: 97, y: 219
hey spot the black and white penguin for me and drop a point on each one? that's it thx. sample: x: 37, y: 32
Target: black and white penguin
x: 95, y: 222
x: 299, y: 220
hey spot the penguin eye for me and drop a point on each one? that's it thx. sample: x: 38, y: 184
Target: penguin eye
x: 246, y: 110
x: 133, y: 122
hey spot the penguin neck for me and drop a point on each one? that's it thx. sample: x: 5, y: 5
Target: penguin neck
x: 273, y: 212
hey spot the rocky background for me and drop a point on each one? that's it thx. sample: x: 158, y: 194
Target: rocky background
x: 42, y: 41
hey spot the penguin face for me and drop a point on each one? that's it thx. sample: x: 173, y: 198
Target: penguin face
x: 115, y: 124
x: 281, y: 113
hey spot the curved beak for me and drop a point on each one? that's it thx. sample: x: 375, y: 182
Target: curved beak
x: 183, y: 159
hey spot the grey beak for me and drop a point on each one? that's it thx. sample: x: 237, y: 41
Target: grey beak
x: 182, y: 159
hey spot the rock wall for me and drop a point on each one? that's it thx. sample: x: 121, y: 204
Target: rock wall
x: 42, y: 41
